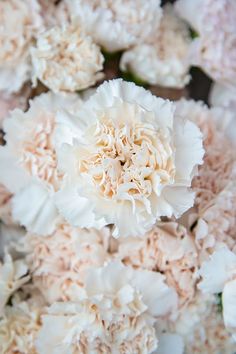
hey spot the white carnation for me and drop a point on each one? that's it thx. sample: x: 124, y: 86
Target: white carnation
x: 20, y: 23
x: 131, y: 162
x: 162, y: 60
x: 29, y: 162
x: 65, y: 59
x: 116, y: 25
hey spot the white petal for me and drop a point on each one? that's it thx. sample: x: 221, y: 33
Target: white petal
x: 159, y: 298
x: 110, y: 278
x: 77, y: 210
x: 107, y: 93
x: 12, y: 176
x: 67, y: 128
x: 189, y: 150
x: 179, y: 198
x: 215, y: 272
x: 128, y: 223
x: 34, y: 208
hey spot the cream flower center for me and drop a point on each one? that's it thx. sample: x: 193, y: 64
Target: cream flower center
x: 38, y: 154
x: 127, y: 159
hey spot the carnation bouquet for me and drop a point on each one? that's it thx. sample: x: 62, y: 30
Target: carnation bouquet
x: 117, y: 184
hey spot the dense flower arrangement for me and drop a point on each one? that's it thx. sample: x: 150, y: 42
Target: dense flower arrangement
x: 117, y: 204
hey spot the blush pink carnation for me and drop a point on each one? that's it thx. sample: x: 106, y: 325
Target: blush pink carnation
x: 214, y: 49
x: 214, y: 185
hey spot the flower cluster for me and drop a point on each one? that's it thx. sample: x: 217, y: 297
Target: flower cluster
x: 117, y: 204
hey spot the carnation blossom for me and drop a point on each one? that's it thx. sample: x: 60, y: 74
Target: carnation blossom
x: 169, y: 249
x: 214, y: 186
x: 131, y: 162
x: 66, y: 59
x: 59, y: 262
x: 116, y: 25
x: 214, y: 50
x: 116, y: 315
x: 20, y: 23
x: 13, y: 274
x: 202, y: 328
x: 219, y: 276
x: 18, y: 328
x: 29, y: 162
x: 162, y: 59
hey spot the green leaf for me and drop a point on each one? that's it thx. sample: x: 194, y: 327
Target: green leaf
x: 128, y: 76
x: 193, y: 33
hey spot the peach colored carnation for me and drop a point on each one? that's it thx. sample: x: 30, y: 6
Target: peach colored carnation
x: 116, y: 314
x: 168, y: 249
x: 59, y: 262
